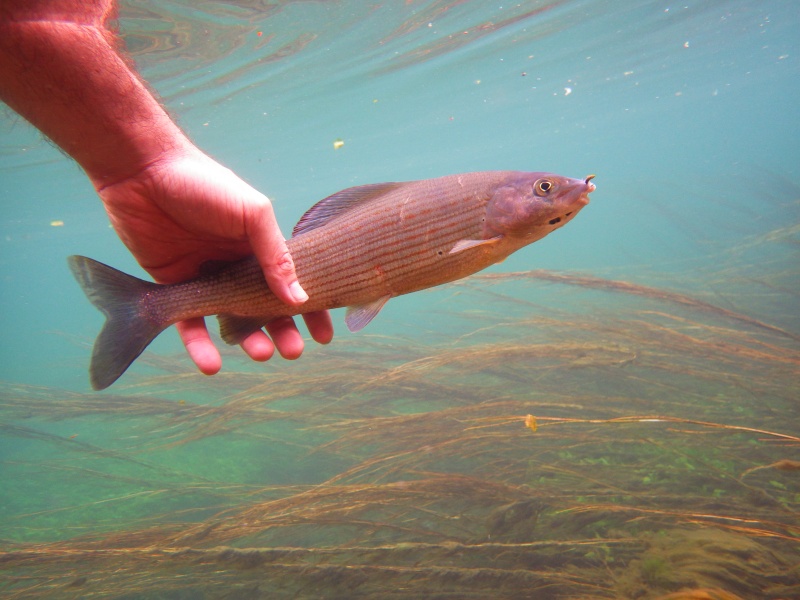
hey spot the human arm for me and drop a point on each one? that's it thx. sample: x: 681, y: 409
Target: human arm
x: 173, y: 206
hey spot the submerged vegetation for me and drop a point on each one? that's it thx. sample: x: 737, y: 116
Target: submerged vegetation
x: 646, y: 448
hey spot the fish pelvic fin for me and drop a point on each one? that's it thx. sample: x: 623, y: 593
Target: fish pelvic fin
x: 127, y: 331
x: 358, y: 317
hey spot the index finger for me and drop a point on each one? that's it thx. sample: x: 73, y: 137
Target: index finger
x: 272, y: 253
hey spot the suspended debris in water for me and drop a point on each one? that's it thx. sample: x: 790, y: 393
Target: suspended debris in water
x: 530, y: 423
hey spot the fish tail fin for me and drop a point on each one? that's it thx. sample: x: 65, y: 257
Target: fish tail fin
x: 126, y: 332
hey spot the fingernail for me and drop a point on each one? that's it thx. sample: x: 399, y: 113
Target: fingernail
x: 297, y: 292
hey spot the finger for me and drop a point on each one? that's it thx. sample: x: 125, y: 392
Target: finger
x: 198, y: 344
x: 270, y: 249
x: 286, y: 337
x: 258, y: 346
x: 319, y: 326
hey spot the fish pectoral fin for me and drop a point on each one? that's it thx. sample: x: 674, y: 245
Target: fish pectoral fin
x: 358, y: 317
x: 234, y: 329
x: 466, y: 244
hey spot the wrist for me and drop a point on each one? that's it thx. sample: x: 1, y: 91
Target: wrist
x: 147, y: 151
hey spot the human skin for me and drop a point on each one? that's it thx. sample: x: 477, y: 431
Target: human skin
x: 173, y: 206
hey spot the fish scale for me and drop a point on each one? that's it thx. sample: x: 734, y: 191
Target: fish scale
x: 356, y: 248
x: 404, y: 248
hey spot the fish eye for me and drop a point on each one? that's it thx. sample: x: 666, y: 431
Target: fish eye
x: 543, y: 187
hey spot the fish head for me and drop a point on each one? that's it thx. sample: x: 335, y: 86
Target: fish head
x: 531, y: 205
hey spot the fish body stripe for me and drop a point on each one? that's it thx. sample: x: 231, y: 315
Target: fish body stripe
x: 356, y: 248
x: 393, y: 244
x: 399, y: 243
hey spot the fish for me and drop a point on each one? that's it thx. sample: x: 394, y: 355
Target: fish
x: 357, y: 248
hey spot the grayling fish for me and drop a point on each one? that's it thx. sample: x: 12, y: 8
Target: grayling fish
x: 357, y: 248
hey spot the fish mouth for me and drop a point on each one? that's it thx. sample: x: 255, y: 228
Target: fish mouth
x: 579, y: 203
x: 583, y: 200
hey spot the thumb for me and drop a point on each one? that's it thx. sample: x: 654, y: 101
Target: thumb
x: 269, y: 247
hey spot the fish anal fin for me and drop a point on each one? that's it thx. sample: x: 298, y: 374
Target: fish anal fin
x: 234, y: 329
x: 467, y: 244
x: 339, y: 203
x: 358, y: 317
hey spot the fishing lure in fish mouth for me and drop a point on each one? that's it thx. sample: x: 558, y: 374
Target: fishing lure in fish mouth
x: 357, y: 248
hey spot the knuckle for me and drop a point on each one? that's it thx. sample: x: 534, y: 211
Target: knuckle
x: 261, y: 204
x: 284, y: 264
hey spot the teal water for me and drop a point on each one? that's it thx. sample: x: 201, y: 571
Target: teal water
x: 688, y: 115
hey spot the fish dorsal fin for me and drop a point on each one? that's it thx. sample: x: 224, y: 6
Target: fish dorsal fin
x: 358, y: 317
x: 339, y: 203
x: 462, y: 245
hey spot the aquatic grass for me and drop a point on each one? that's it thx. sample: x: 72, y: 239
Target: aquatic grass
x: 568, y: 455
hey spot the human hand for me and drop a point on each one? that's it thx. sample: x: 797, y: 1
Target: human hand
x: 187, y: 209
